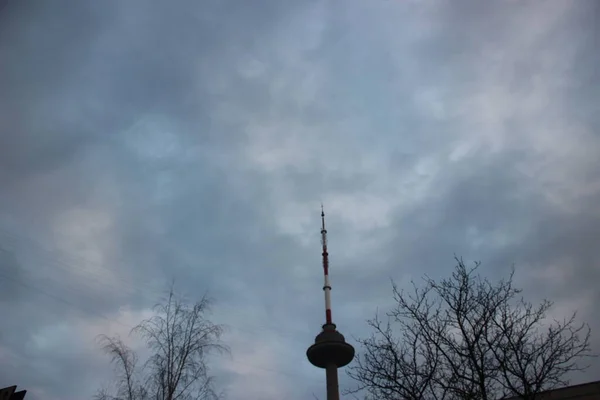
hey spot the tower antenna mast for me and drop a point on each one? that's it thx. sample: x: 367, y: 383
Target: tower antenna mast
x: 325, y: 255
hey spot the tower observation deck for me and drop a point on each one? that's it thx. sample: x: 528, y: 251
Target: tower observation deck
x: 330, y: 350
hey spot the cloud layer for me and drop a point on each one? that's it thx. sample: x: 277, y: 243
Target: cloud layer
x: 143, y: 141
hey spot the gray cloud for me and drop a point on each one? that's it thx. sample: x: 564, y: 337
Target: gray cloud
x: 142, y: 141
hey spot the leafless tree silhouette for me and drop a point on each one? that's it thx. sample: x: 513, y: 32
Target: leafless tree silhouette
x: 179, y: 337
x: 465, y: 337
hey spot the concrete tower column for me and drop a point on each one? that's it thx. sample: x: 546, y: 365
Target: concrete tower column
x: 331, y: 376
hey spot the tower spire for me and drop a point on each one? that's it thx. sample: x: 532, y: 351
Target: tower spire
x: 325, y: 255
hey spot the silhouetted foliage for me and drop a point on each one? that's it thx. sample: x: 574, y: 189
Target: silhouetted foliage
x: 467, y: 338
x: 179, y: 337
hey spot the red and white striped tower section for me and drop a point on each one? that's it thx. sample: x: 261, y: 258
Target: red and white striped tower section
x: 330, y: 350
x: 327, y: 285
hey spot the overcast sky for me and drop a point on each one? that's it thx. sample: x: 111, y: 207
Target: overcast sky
x: 143, y: 141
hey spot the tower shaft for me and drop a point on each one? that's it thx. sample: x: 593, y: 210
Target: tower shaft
x: 331, y: 378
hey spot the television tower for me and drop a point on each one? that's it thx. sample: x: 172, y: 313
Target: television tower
x: 330, y: 350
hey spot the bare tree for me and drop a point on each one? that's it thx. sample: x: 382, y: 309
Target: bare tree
x: 180, y: 337
x: 125, y: 360
x: 467, y: 338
